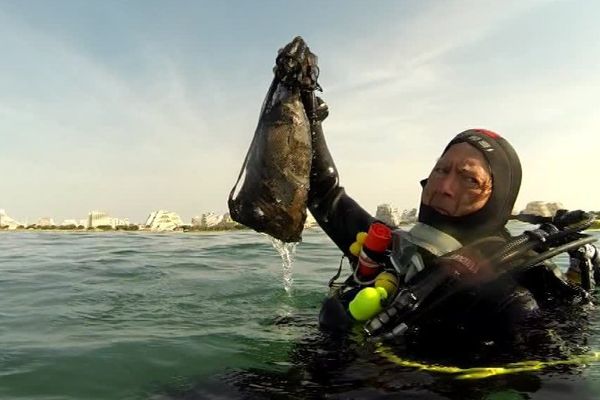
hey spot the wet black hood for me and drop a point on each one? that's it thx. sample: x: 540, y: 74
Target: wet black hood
x: 506, y: 181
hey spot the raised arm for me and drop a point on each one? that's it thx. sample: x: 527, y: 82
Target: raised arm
x: 336, y: 212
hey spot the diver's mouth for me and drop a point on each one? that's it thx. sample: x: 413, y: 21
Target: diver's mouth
x: 440, y: 210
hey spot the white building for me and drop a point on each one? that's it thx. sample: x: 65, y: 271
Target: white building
x: 163, y: 221
x: 100, y: 218
x: 542, y: 208
x: 120, y: 222
x: 409, y: 216
x: 5, y: 220
x: 207, y: 220
x: 388, y: 214
x: 227, y: 222
x: 45, y: 221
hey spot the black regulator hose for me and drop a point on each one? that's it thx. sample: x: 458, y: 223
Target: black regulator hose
x: 546, y: 236
x: 524, y: 243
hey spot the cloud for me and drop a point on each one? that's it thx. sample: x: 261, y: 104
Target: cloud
x: 452, y: 68
x: 63, y: 107
x: 158, y: 122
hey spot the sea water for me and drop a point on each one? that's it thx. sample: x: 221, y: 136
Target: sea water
x: 205, y: 315
x: 287, y: 252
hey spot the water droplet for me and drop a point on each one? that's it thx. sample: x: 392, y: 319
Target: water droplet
x: 287, y: 252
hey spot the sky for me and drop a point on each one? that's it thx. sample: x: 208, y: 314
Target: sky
x: 133, y: 106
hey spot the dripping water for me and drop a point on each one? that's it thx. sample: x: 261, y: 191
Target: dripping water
x: 287, y: 252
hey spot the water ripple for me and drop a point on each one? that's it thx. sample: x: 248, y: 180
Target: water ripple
x: 137, y: 315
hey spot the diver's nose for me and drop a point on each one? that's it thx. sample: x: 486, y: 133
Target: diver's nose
x: 447, y: 185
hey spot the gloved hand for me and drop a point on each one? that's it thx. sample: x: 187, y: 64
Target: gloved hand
x: 297, y: 66
x: 586, y: 256
x: 576, y: 220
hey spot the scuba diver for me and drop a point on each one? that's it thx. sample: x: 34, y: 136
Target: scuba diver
x: 458, y: 270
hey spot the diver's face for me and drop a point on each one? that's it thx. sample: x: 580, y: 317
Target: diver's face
x: 460, y: 183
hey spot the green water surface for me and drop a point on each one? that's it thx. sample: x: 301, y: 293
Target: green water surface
x: 161, y: 316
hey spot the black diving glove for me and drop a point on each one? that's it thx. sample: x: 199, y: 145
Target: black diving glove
x: 297, y: 65
x: 584, y: 266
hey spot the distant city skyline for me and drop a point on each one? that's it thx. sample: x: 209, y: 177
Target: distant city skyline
x: 129, y: 107
x: 387, y: 212
x: 158, y: 220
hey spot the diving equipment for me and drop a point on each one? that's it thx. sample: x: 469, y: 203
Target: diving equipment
x: 405, y: 258
x: 372, y: 253
x: 454, y: 270
x: 388, y: 281
x: 367, y: 303
x: 402, y: 262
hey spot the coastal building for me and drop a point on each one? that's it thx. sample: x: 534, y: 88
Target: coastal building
x: 206, y: 220
x: 6, y: 221
x: 409, y: 216
x: 100, y: 218
x: 227, y: 222
x: 388, y: 214
x: 120, y: 222
x: 393, y: 217
x: 542, y: 208
x: 163, y: 221
x: 45, y: 221
x: 197, y: 221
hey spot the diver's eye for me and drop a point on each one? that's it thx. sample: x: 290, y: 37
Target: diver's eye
x: 471, y: 182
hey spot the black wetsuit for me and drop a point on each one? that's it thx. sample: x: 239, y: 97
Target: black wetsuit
x: 492, y: 309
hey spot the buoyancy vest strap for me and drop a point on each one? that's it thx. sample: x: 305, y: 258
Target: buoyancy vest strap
x: 433, y: 240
